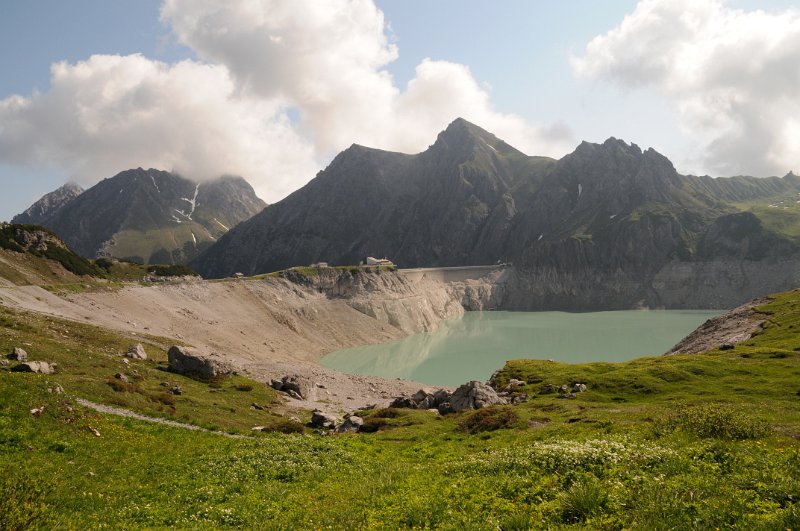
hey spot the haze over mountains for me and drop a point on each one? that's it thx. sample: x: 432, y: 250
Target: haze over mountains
x: 607, y: 226
x: 148, y: 216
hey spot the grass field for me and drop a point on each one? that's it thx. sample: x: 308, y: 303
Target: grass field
x: 705, y: 441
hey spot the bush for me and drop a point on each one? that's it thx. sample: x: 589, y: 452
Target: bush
x: 719, y: 422
x: 582, y: 500
x: 244, y: 387
x: 287, y: 426
x: 387, y: 413
x: 122, y: 387
x: 171, y: 271
x: 373, y: 424
x: 22, y: 500
x: 489, y: 419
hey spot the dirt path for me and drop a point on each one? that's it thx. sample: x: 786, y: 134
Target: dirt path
x: 130, y: 414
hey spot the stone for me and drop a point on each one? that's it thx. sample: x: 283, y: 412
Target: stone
x: 194, y: 362
x: 301, y: 386
x: 579, y: 388
x: 136, y: 352
x: 56, y: 390
x: 121, y: 377
x: 727, y: 346
x: 257, y: 407
x: 548, y: 389
x: 564, y: 389
x: 351, y: 424
x: 566, y: 395
x: 520, y: 399
x: 18, y: 354
x: 175, y: 390
x: 41, y: 367
x: 403, y: 402
x: 294, y: 394
x: 513, y: 382
x: 320, y: 419
x: 276, y: 384
x: 474, y: 395
x: 5, y: 363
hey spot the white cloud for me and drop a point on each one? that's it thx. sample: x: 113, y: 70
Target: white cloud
x: 111, y: 113
x: 732, y: 75
x: 260, y: 61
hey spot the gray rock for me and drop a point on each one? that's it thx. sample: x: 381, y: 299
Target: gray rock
x: 579, y: 388
x: 276, y: 384
x: 136, y: 352
x: 403, y: 402
x: 351, y: 424
x: 320, y: 419
x: 194, y: 362
x: 5, y: 363
x: 564, y: 389
x: 520, y: 399
x: 18, y: 354
x: 294, y: 394
x: 175, y: 390
x: 121, y: 377
x: 256, y: 407
x: 301, y: 386
x: 567, y: 395
x: 474, y: 395
x: 41, y: 367
x: 548, y: 389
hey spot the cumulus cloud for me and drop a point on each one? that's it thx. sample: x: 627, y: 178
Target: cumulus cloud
x: 259, y: 63
x: 329, y: 60
x: 111, y: 113
x: 731, y: 74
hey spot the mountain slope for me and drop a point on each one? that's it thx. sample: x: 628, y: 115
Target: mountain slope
x: 152, y: 216
x: 607, y: 226
x: 39, y: 212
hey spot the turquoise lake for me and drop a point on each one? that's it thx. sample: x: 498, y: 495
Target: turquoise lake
x: 472, y: 347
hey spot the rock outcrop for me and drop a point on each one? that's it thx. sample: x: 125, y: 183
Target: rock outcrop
x: 609, y: 226
x: 724, y: 331
x: 18, y: 354
x: 194, y: 362
x: 40, y: 367
x: 136, y: 352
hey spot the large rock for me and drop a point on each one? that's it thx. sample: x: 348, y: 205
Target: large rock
x: 351, y: 424
x: 41, y: 367
x: 320, y: 419
x: 194, y: 362
x: 474, y: 395
x: 18, y: 354
x: 295, y: 386
x: 136, y: 352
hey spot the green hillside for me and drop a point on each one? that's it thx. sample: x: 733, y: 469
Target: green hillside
x: 680, y: 442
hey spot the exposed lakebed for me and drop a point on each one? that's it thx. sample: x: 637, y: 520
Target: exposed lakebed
x: 472, y: 347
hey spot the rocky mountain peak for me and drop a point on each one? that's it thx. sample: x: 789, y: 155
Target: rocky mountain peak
x: 45, y: 207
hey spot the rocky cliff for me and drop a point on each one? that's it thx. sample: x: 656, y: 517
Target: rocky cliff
x: 608, y: 226
x: 42, y: 210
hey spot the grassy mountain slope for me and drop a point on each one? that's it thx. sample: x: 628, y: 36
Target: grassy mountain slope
x: 688, y: 442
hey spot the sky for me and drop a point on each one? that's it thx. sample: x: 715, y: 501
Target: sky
x: 272, y: 89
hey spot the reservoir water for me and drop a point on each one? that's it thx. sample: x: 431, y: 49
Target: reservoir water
x: 472, y: 347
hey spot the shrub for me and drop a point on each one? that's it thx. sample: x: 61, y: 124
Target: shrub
x: 122, y: 387
x: 386, y: 413
x: 287, y: 426
x: 171, y: 271
x: 489, y: 419
x: 582, y: 500
x: 244, y: 387
x: 719, y: 422
x: 373, y: 424
x: 22, y: 500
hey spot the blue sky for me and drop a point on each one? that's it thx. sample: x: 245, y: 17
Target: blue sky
x: 511, y: 63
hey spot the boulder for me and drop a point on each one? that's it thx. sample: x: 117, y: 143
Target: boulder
x: 579, y: 388
x: 175, y: 390
x: 41, y: 367
x: 351, y: 424
x: 121, y: 377
x: 18, y: 354
x: 320, y: 419
x: 194, y: 362
x: 548, y: 389
x: 301, y: 386
x: 474, y: 395
x: 136, y: 352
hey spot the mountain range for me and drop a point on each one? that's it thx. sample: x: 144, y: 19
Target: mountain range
x: 146, y: 216
x: 606, y: 226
